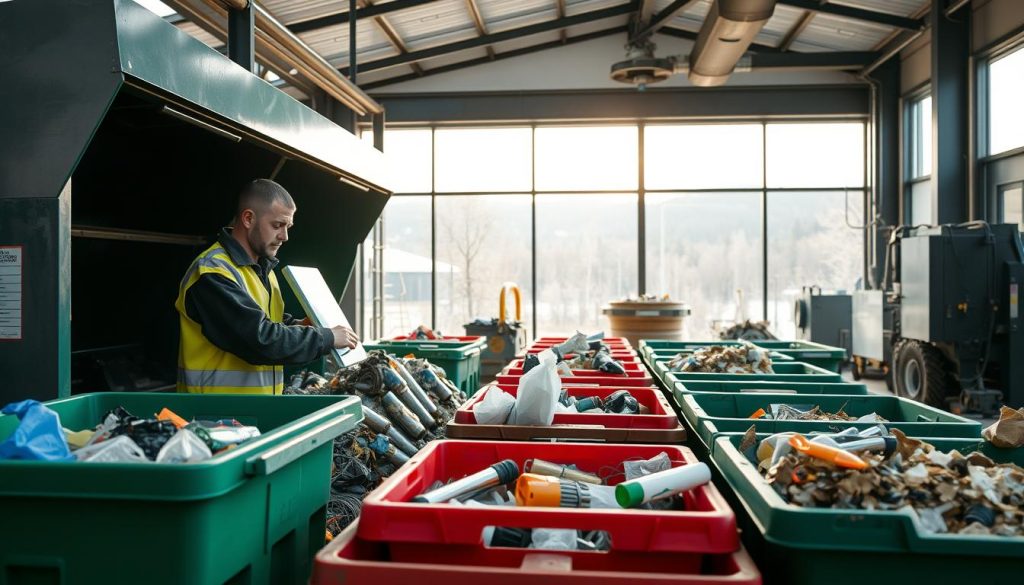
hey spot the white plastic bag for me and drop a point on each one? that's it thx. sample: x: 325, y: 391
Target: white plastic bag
x: 538, y: 393
x: 184, y: 447
x: 553, y: 539
x: 121, y: 449
x: 494, y: 408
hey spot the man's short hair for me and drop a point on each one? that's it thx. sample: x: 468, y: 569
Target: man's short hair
x: 260, y: 194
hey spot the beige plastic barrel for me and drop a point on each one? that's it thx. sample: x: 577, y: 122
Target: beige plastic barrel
x: 636, y: 320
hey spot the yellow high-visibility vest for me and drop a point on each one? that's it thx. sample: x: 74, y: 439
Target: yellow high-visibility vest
x: 202, y: 366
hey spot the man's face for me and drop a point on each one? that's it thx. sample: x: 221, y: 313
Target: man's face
x: 269, y: 229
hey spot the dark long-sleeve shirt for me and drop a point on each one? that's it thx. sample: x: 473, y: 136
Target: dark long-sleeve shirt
x: 234, y: 322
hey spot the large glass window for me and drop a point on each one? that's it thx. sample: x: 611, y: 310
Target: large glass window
x: 703, y: 156
x: 815, y: 155
x: 407, y: 264
x: 708, y: 190
x: 705, y: 249
x: 1005, y: 90
x: 586, y: 256
x: 918, y: 143
x: 482, y: 242
x: 813, y: 240
x: 576, y: 158
x: 483, y: 159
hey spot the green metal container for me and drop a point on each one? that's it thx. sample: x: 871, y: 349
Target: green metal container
x: 796, y: 545
x: 817, y: 354
x: 254, y: 514
x: 765, y: 387
x: 460, y: 361
x: 710, y: 414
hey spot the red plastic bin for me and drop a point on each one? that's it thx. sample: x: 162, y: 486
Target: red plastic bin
x: 453, y: 339
x: 660, y: 416
x: 705, y: 525
x: 554, y: 339
x: 516, y: 366
x: 659, y: 425
x: 597, y: 379
x: 349, y: 559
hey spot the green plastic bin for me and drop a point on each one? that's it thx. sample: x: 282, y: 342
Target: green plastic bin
x: 460, y: 360
x: 796, y: 545
x: 766, y: 387
x: 254, y: 514
x: 783, y: 372
x: 710, y: 414
x: 824, y: 356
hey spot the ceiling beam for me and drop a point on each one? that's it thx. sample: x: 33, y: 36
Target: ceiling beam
x: 499, y: 56
x: 561, y: 14
x: 493, y: 38
x: 660, y: 19
x: 393, y: 37
x: 863, y: 14
x: 820, y: 60
x: 692, y: 36
x: 361, y: 13
x: 646, y: 11
x: 478, y: 22
x: 797, y: 29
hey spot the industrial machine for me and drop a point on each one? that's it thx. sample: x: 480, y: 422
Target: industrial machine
x: 955, y: 337
x: 125, y: 142
x: 825, y: 318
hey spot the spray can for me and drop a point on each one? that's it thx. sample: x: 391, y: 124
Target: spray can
x: 662, y: 484
x: 550, y: 492
x: 383, y: 426
x: 541, y: 467
x: 399, y: 414
x: 397, y: 386
x: 415, y: 387
x: 498, y: 474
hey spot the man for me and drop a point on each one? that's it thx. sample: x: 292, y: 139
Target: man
x: 235, y: 335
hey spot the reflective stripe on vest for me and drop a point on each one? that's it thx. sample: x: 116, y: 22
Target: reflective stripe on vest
x: 202, y: 366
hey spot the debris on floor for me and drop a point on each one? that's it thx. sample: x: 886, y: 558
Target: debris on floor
x: 1008, y: 431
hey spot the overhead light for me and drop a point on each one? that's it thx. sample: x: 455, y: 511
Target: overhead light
x: 353, y: 183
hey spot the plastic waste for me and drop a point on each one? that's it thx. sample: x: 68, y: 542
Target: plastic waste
x: 538, y: 393
x: 621, y: 402
x: 576, y: 344
x: 184, y: 447
x: 121, y: 449
x: 663, y: 484
x: 553, y: 539
x: 550, y: 492
x: 38, y: 437
x: 494, y: 408
x: 635, y: 469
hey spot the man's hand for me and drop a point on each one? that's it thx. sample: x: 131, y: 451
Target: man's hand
x: 344, y: 337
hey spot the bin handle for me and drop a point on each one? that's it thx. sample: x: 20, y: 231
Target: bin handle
x: 502, y: 313
x: 273, y: 459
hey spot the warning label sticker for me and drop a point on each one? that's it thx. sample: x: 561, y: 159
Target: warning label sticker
x: 10, y: 292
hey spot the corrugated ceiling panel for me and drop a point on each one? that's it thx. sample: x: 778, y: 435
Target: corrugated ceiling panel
x: 497, y: 10
x: 692, y: 17
x: 573, y: 8
x: 842, y: 34
x: 899, y: 7
x: 200, y: 34
x: 416, y: 25
x: 289, y: 11
x: 509, y: 20
x: 778, y: 26
x: 332, y: 41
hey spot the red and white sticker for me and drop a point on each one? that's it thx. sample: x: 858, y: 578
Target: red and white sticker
x: 11, y: 263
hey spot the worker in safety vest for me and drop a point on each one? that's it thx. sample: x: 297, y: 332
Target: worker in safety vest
x: 235, y: 335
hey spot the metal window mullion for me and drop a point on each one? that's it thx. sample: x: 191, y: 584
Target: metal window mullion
x: 433, y: 228
x: 764, y: 222
x: 641, y: 267
x: 534, y: 287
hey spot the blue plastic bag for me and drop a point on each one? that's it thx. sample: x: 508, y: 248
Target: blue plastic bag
x: 39, y: 437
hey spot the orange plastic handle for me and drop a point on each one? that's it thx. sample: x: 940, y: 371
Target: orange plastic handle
x: 505, y: 288
x: 827, y: 453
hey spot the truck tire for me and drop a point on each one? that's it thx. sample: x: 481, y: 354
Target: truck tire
x: 919, y: 373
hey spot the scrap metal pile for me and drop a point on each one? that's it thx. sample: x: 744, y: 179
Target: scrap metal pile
x: 947, y: 492
x: 745, y: 358
x: 406, y: 403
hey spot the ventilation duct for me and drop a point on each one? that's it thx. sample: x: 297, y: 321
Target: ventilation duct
x: 727, y: 32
